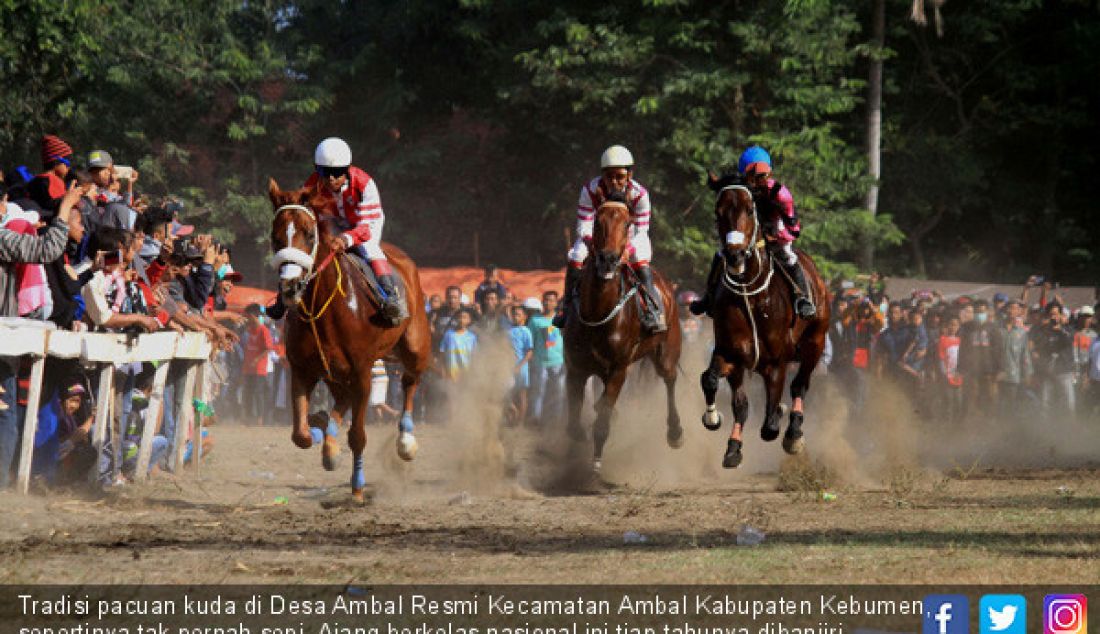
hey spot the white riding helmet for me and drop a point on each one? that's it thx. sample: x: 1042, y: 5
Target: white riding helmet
x: 616, y: 156
x: 332, y: 152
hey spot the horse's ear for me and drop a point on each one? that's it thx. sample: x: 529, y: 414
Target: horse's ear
x: 712, y: 181
x: 273, y: 191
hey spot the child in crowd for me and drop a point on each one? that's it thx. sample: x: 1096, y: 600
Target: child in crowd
x: 135, y: 426
x: 523, y: 347
x: 379, y: 388
x: 257, y: 349
x: 458, y: 346
x: 948, y: 352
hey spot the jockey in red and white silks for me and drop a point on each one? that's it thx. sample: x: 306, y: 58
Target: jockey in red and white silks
x: 358, y: 202
x: 616, y: 183
x: 595, y: 194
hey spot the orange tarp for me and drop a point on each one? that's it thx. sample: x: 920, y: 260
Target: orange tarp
x: 522, y: 284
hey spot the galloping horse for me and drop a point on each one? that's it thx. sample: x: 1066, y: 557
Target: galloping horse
x: 334, y: 331
x: 755, y: 325
x: 605, y: 337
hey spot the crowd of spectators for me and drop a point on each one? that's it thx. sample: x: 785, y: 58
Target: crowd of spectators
x: 1011, y: 358
x: 79, y: 250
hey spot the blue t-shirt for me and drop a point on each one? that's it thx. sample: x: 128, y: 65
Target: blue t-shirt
x: 547, y: 342
x: 522, y: 343
x: 457, y: 348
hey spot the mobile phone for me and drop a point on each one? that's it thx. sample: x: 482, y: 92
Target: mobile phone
x: 124, y: 172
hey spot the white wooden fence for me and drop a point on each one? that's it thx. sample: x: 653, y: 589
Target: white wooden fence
x: 20, y: 338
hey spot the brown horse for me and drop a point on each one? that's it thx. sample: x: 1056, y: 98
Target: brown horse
x: 605, y: 337
x: 755, y: 326
x: 334, y: 331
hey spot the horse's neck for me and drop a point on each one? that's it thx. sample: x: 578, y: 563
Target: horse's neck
x: 598, y: 294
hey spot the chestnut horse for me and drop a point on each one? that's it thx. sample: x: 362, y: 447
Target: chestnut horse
x: 333, y: 329
x: 605, y: 337
x: 755, y: 325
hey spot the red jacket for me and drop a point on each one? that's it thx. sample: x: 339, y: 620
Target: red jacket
x: 358, y: 202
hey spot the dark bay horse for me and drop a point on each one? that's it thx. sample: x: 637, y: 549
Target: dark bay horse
x: 755, y: 327
x: 605, y: 337
x: 333, y: 329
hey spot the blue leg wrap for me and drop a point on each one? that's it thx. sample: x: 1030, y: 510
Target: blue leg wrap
x: 333, y: 429
x: 406, y: 424
x: 317, y: 434
x: 358, y: 477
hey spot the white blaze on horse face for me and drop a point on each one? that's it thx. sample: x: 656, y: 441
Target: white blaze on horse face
x: 735, y: 239
x: 290, y: 271
x: 290, y: 230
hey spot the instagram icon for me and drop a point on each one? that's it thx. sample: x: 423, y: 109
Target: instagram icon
x: 1065, y: 614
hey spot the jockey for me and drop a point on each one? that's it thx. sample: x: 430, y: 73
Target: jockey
x: 779, y: 221
x: 357, y: 200
x: 616, y: 183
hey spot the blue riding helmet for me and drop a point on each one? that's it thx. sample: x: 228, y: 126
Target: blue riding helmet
x: 754, y: 154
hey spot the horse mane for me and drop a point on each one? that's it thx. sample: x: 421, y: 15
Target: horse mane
x: 729, y: 178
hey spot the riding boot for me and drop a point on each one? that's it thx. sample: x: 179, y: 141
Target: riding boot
x: 653, y: 317
x: 706, y: 302
x: 802, y: 304
x: 393, y: 306
x: 572, y: 279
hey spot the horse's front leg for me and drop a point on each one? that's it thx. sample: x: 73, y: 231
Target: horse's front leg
x: 300, y: 389
x: 774, y: 377
x: 406, y: 441
x: 575, y: 380
x: 709, y: 381
x: 605, y: 408
x: 740, y: 414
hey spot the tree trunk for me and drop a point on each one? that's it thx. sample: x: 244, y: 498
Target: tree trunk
x: 874, y: 124
x: 918, y: 257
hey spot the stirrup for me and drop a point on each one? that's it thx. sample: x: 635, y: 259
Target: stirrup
x: 394, y: 310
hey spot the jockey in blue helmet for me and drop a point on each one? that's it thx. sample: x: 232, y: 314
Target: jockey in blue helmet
x: 778, y: 219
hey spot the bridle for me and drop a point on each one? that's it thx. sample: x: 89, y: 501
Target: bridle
x: 624, y: 296
x: 756, y: 244
x: 291, y: 261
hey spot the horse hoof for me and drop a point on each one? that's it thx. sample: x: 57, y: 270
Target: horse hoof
x: 712, y: 420
x: 406, y: 446
x: 328, y: 454
x: 302, y: 441
x: 675, y: 437
x: 793, y: 445
x: 770, y: 431
x: 732, y: 459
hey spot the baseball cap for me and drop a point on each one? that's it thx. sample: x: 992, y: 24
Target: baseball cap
x: 1087, y: 310
x: 532, y: 303
x: 1000, y: 297
x: 227, y: 273
x: 99, y: 158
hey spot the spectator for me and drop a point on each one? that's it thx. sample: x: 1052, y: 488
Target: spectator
x: 458, y: 345
x: 490, y: 283
x: 1083, y: 337
x: 16, y: 248
x: 892, y: 343
x: 947, y: 351
x: 435, y: 302
x: 1053, y: 356
x: 912, y: 360
x: 48, y: 188
x: 493, y: 320
x: 1016, y: 367
x: 107, y: 296
x: 257, y: 346
x: 1092, y: 381
x: 523, y: 349
x: 980, y: 355
x: 135, y: 426
x: 548, y: 367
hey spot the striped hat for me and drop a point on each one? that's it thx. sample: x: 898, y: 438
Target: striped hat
x: 53, y: 148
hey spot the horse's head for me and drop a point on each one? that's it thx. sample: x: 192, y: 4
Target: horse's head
x: 735, y: 215
x: 610, y: 237
x: 295, y: 237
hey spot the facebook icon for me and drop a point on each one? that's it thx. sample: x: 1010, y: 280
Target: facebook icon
x: 946, y: 614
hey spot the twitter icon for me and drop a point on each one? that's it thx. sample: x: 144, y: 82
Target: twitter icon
x: 1003, y: 614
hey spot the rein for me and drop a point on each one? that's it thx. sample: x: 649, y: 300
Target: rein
x: 623, y: 299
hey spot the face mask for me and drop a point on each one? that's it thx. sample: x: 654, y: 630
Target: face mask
x: 884, y: 308
x: 222, y: 271
x: 981, y: 317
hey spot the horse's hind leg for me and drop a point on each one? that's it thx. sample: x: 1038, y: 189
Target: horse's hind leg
x: 357, y: 439
x: 605, y: 408
x: 414, y: 351
x: 300, y: 389
x: 774, y: 378
x: 575, y: 381
x: 740, y: 415
x: 792, y: 440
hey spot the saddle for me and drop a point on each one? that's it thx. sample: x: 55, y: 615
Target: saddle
x: 374, y: 288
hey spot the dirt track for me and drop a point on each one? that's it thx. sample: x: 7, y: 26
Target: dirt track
x: 457, y: 514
